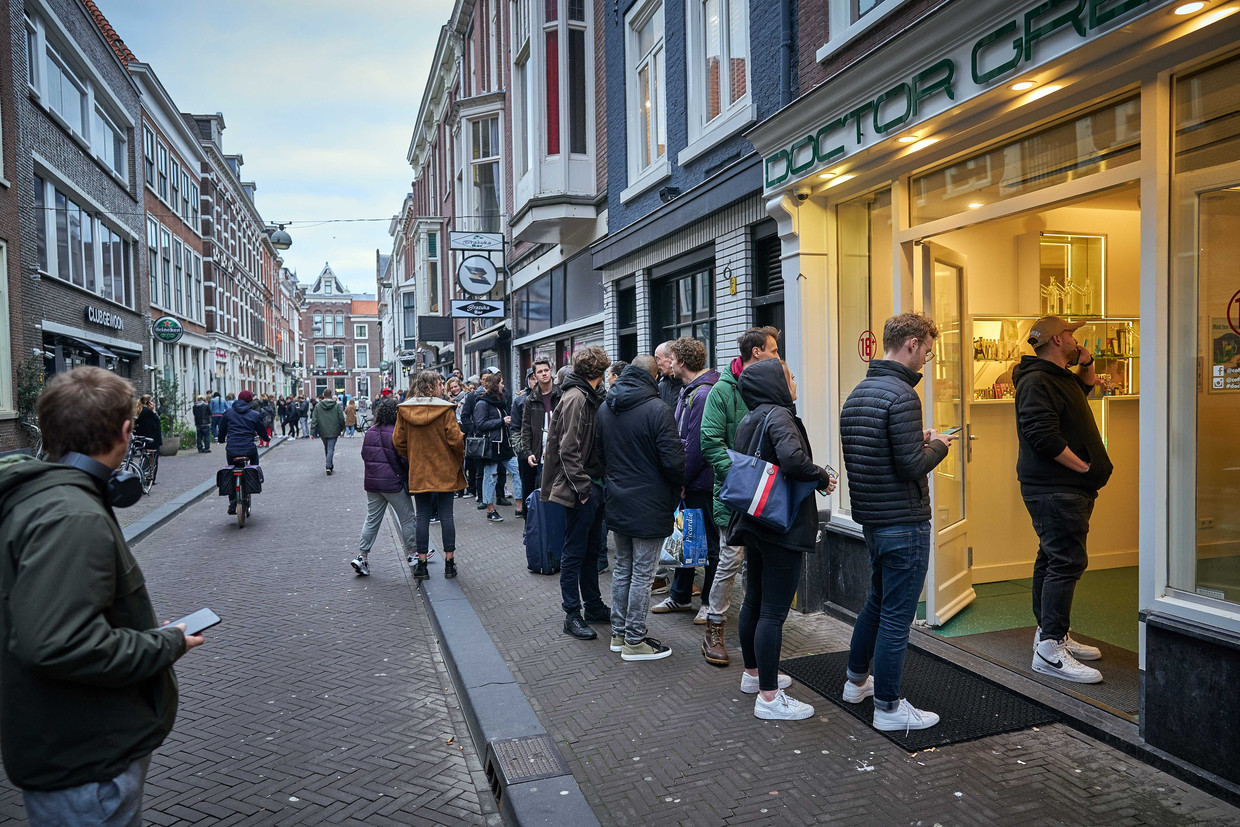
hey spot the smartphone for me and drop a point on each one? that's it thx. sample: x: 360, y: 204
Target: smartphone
x: 197, y: 622
x: 951, y: 431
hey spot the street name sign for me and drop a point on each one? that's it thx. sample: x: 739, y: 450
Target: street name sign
x: 477, y: 309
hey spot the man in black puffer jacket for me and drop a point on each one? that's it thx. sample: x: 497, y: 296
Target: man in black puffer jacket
x: 888, y: 456
x: 1061, y: 465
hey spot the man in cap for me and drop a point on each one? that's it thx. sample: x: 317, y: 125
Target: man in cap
x: 1061, y: 464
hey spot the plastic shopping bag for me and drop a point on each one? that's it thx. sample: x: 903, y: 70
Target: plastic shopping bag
x: 695, y: 545
x: 673, y: 551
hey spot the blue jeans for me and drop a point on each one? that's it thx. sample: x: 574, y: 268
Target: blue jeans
x: 115, y: 803
x: 899, y: 555
x: 329, y: 450
x: 216, y: 419
x: 204, y: 438
x: 583, y: 536
x: 489, y: 474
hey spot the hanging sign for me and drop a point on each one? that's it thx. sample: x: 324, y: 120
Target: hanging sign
x: 867, y: 346
x: 167, y: 329
x: 477, y: 275
x: 476, y: 241
x: 477, y: 309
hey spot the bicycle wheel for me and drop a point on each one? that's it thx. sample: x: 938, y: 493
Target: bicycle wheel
x: 132, y: 467
x: 145, y: 472
x: 242, y: 511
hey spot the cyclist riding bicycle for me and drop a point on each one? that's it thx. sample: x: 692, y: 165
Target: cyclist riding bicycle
x: 238, y: 430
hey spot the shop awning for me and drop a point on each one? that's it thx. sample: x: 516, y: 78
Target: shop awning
x: 491, y: 341
x: 89, y: 345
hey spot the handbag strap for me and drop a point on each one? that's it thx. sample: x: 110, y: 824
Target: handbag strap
x: 757, y: 448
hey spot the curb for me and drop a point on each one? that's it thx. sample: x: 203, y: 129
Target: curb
x: 530, y: 780
x: 137, y: 530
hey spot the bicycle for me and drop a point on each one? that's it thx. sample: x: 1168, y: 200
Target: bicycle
x: 138, y: 461
x: 35, y: 437
x: 363, y: 421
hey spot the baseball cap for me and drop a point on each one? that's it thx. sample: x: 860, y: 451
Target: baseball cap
x: 246, y: 396
x: 1048, y: 327
x: 491, y: 370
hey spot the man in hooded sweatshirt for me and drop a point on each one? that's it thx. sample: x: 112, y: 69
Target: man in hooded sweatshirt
x: 645, y: 463
x: 328, y: 420
x: 1061, y: 464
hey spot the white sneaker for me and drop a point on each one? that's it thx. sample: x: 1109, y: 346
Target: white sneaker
x: 1078, y: 650
x: 700, y: 619
x: 749, y: 683
x: 360, y: 566
x: 1051, y: 657
x: 782, y: 708
x: 854, y: 694
x: 905, y: 716
x: 668, y: 605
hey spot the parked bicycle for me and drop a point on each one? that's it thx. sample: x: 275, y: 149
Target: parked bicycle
x: 140, y: 460
x: 35, y: 437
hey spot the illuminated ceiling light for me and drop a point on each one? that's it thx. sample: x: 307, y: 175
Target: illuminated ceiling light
x: 1043, y: 92
x: 826, y: 176
x: 976, y: 204
x: 922, y: 144
x: 1022, y: 86
x: 1221, y: 13
x: 907, y: 139
x: 1189, y: 8
x: 839, y: 179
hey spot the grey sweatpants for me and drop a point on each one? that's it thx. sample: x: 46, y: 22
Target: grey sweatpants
x: 377, y: 503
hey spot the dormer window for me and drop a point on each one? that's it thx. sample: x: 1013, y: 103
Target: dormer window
x: 327, y: 286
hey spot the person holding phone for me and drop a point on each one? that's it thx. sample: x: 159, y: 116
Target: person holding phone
x: 87, y: 691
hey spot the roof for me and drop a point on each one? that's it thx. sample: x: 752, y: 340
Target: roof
x: 365, y: 308
x: 122, y: 51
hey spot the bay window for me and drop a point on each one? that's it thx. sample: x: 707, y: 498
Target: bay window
x: 523, y: 102
x: 484, y: 172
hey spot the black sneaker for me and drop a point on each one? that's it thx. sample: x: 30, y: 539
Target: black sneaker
x: 603, y: 615
x: 575, y: 626
x: 232, y: 508
x: 449, y: 569
x: 420, y: 572
x: 494, y: 517
x: 329, y: 472
x: 481, y: 505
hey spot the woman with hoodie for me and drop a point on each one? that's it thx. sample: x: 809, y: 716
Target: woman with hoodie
x: 430, y: 439
x: 773, y: 558
x: 386, y: 472
x: 491, y: 420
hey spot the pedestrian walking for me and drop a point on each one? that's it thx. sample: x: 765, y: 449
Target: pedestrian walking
x: 328, y: 421
x: 645, y: 461
x: 1061, y: 464
x: 572, y: 474
x: 491, y: 421
x: 428, y: 436
x: 268, y: 412
x: 89, y: 691
x: 688, y: 364
x: 350, y: 418
x: 544, y: 396
x: 888, y: 457
x: 242, y: 426
x: 723, y: 413
x: 773, y: 558
x: 217, y: 414
x: 303, y: 416
x: 148, y: 425
x: 386, y: 481
x: 202, y: 424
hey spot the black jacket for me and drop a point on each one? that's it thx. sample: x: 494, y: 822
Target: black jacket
x: 467, y: 410
x: 202, y: 414
x: 1053, y: 413
x: 885, y: 451
x: 148, y: 426
x: 636, y: 437
x: 489, y: 413
x: 764, y: 389
x: 533, y: 420
x: 240, y: 426
x: 669, y: 390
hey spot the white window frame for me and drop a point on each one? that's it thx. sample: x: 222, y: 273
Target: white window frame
x: 7, y: 405
x: 120, y: 166
x: 358, y: 350
x: 152, y: 260
x: 659, y: 169
x: 94, y: 215
x: 148, y: 156
x: 466, y: 182
x: 842, y: 18
x: 174, y: 183
x: 524, y: 104
x: 365, y: 331
x: 733, y: 117
x: 51, y: 53
x: 161, y: 171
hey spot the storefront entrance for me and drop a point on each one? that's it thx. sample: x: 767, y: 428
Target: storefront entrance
x: 985, y: 285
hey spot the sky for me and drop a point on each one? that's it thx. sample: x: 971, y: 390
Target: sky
x: 318, y: 96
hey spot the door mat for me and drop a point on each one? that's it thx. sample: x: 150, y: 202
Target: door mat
x: 1119, y: 692
x: 969, y: 707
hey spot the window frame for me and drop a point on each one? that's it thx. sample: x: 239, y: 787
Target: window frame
x: 471, y: 207
x: 7, y: 403
x: 364, y: 328
x: 161, y: 171
x: 120, y: 144
x: 733, y: 116
x: 669, y: 285
x: 850, y: 23
x: 358, y: 349
x: 642, y: 178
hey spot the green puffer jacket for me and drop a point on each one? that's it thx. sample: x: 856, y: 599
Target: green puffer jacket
x: 724, y: 411
x: 86, y: 681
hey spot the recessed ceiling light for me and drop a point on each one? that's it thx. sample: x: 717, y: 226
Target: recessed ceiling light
x: 1043, y: 92
x: 827, y: 176
x: 907, y: 139
x: 1189, y: 8
x: 1221, y: 13
x: 976, y: 204
x: 839, y: 179
x: 1022, y: 86
x: 922, y: 144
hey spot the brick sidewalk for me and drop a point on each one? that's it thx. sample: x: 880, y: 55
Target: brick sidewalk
x: 322, y: 697
x: 177, y: 475
x: 675, y: 742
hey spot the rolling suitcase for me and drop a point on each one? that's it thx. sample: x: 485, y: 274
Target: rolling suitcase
x: 544, y: 534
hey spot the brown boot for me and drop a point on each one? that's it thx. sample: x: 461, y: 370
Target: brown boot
x: 712, y: 647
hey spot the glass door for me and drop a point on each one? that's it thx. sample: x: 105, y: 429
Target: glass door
x: 948, y: 377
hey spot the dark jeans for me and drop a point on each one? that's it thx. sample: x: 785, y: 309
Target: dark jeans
x: 529, y: 477
x: 770, y: 585
x: 439, y: 503
x: 899, y: 555
x: 204, y: 437
x: 682, y: 583
x: 583, y: 535
x: 216, y: 419
x: 473, y: 476
x: 1062, y: 523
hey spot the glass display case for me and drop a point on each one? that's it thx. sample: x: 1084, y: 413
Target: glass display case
x: 1000, y: 342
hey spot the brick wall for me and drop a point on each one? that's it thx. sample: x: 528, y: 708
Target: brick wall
x: 733, y: 315
x: 11, y: 342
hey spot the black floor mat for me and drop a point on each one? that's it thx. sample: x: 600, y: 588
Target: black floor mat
x: 968, y: 707
x: 1119, y: 692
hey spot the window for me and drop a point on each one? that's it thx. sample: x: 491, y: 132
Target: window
x: 320, y: 356
x: 148, y: 155
x: 177, y: 275
x: 363, y: 387
x: 523, y: 102
x: 327, y: 286
x: 409, y: 310
x: 648, y: 116
x: 575, y: 68
x: 317, y: 328
x: 66, y: 95
x: 687, y: 308
x: 361, y: 331
x: 361, y: 356
x: 33, y: 74
x: 718, y: 49
x: 152, y: 258
x: 185, y: 195
x: 162, y: 164
x: 768, y: 280
x: 193, y: 207
x: 338, y: 357
x: 40, y: 211
x: 198, y: 287
x: 846, y: 19
x: 339, y: 328
x: 165, y: 270
x: 484, y: 172
x: 109, y: 143
x: 432, y: 272
x: 85, y: 251
x: 174, y: 197
x: 626, y: 317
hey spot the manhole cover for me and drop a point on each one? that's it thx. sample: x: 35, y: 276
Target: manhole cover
x: 527, y: 759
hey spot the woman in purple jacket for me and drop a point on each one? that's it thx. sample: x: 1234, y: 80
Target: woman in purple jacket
x: 386, y: 472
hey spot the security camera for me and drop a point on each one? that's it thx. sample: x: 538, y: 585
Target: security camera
x: 802, y: 192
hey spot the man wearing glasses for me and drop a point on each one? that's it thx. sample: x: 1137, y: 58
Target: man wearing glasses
x: 1061, y: 465
x: 888, y: 457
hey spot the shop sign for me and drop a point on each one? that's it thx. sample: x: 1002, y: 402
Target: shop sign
x: 867, y: 346
x: 477, y: 309
x: 384, y: 364
x: 221, y: 355
x: 475, y: 241
x: 1044, y: 32
x: 477, y: 275
x: 167, y: 329
x: 96, y: 315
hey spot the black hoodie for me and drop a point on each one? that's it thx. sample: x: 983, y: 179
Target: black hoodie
x: 1053, y: 413
x: 764, y: 389
x: 637, y: 440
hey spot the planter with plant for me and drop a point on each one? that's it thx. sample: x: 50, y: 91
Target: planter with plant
x: 29, y: 385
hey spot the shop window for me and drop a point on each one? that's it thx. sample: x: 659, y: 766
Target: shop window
x: 686, y: 307
x: 583, y: 295
x: 863, y: 298
x: 1204, y: 494
x: 768, y: 280
x: 1099, y: 140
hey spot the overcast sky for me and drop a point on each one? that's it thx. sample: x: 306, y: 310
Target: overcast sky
x: 318, y: 96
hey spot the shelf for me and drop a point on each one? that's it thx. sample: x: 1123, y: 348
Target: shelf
x: 1010, y: 399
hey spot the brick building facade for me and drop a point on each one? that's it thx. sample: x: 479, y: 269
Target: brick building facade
x: 341, y: 340
x: 13, y: 351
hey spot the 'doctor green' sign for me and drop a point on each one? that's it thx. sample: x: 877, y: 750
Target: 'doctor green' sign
x: 1044, y: 32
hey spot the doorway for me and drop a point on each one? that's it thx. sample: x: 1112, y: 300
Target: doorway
x: 985, y: 285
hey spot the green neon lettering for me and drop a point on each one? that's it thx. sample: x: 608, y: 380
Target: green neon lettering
x: 924, y: 89
x: 793, y: 166
x: 900, y: 89
x: 857, y: 113
x: 1073, y: 17
x: 980, y: 77
x: 774, y: 159
x: 826, y: 156
x: 1099, y: 15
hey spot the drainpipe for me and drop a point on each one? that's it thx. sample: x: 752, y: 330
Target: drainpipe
x: 785, y: 53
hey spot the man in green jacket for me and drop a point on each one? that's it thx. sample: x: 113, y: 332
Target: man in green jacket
x: 328, y: 420
x: 87, y: 691
x: 724, y: 411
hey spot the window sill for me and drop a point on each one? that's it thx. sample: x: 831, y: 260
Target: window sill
x: 4, y: 182
x: 729, y: 125
x: 652, y: 176
x: 873, y: 16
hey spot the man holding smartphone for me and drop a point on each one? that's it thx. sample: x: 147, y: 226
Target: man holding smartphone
x: 87, y: 691
x: 1061, y: 465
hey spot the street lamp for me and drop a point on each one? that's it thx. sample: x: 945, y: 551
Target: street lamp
x: 280, y: 239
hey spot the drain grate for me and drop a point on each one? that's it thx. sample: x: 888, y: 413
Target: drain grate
x: 528, y: 758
